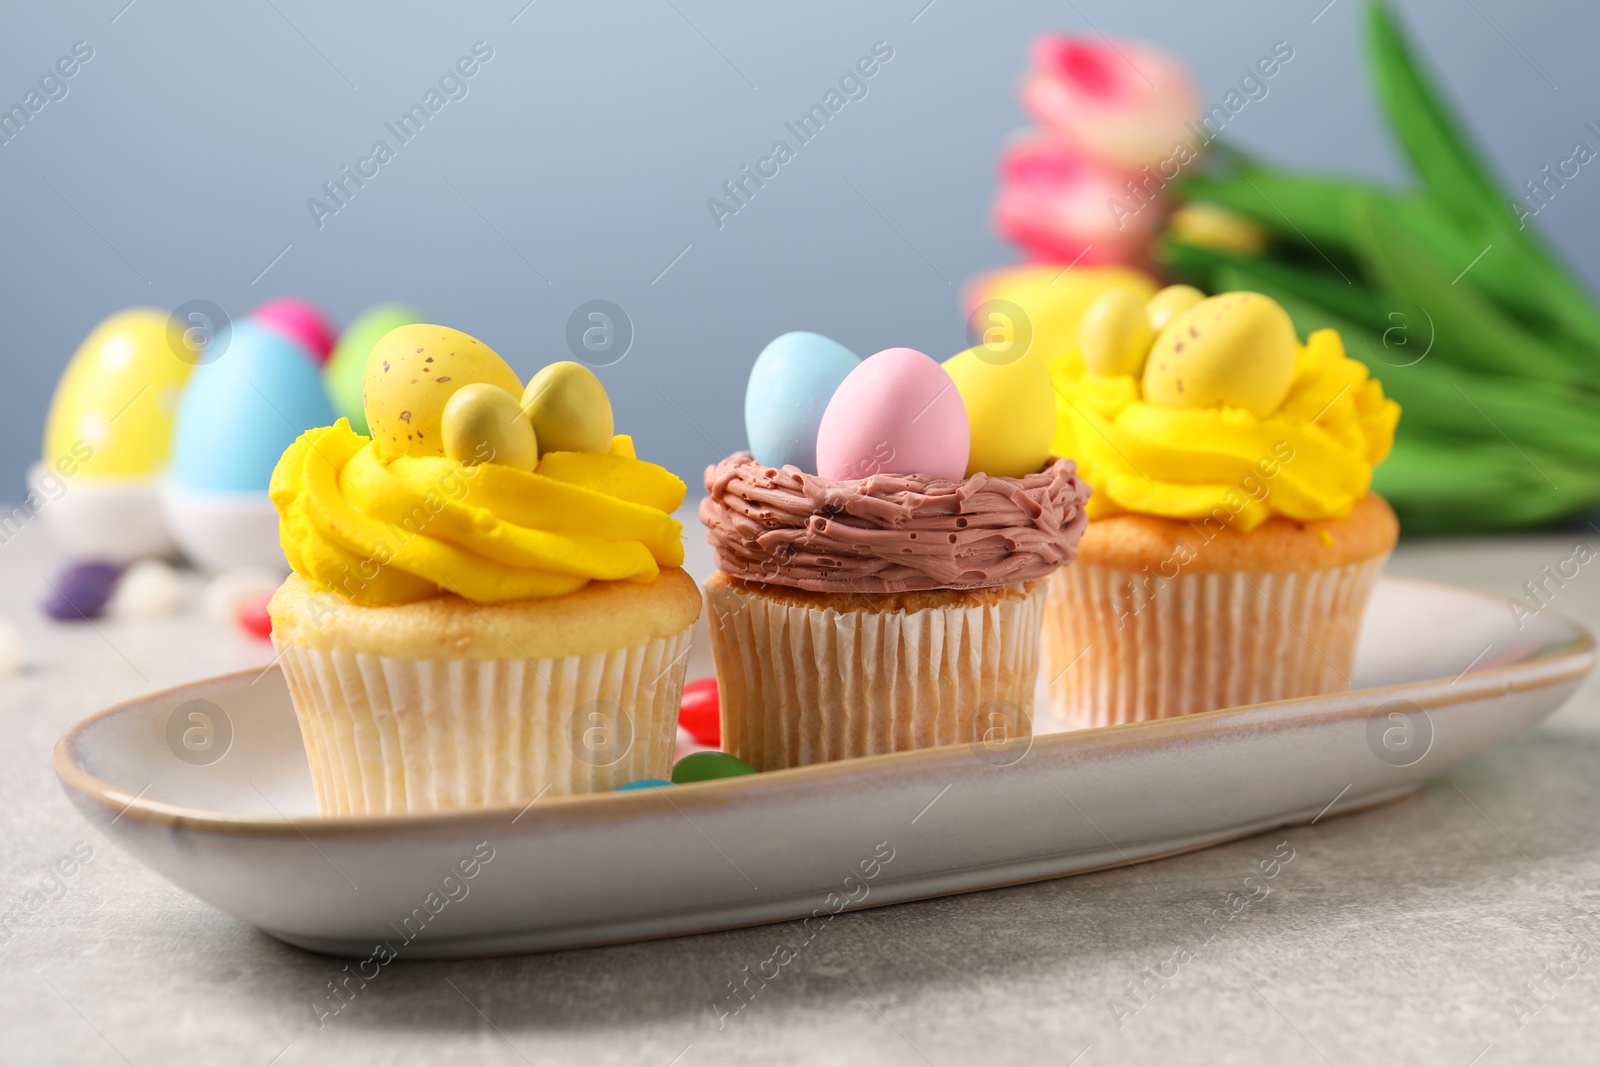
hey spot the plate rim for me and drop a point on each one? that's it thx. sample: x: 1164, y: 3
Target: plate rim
x: 1572, y: 662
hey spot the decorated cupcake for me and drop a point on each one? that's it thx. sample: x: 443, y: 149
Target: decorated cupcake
x: 486, y: 602
x: 883, y: 552
x: 1233, y: 540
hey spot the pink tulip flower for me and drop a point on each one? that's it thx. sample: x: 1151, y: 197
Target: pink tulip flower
x: 1063, y: 206
x: 1127, y: 104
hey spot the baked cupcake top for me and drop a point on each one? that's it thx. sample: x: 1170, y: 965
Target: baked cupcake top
x: 1189, y: 407
x: 894, y: 473
x: 471, y: 484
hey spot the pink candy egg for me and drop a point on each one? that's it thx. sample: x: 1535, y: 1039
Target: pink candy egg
x: 300, y: 321
x: 896, y: 413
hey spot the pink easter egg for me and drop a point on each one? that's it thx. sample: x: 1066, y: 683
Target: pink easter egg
x: 300, y: 321
x: 896, y: 413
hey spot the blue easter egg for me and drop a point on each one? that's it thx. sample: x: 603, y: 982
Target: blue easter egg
x: 790, y: 386
x: 238, y: 414
x: 642, y: 783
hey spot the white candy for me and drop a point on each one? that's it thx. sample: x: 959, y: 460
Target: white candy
x: 149, y: 589
x: 223, y: 593
x: 13, y: 654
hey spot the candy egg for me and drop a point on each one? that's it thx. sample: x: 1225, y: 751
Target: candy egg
x: 569, y: 409
x: 81, y: 590
x: 790, y: 385
x: 300, y: 321
x: 112, y: 412
x: 1169, y: 303
x: 347, y: 367
x: 706, y: 766
x: 896, y: 413
x: 1235, y: 350
x: 483, y: 423
x: 412, y: 372
x: 642, y: 783
x: 1011, y: 410
x: 700, y: 711
x: 1115, y: 334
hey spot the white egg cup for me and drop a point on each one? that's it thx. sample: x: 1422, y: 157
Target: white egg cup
x: 114, y: 519
x: 224, y: 531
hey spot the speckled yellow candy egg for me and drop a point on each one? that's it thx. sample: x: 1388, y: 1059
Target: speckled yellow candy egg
x: 569, y: 409
x: 412, y: 372
x: 113, y: 410
x: 1233, y: 350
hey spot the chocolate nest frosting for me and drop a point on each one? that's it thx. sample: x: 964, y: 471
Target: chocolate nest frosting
x: 890, y: 533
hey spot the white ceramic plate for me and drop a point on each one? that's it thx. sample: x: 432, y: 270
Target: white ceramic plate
x: 1443, y: 675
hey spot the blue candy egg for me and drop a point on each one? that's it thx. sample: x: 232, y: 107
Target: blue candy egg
x: 239, y: 413
x: 790, y: 386
x: 642, y: 783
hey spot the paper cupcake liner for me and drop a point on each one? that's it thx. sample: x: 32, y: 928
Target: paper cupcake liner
x: 389, y: 734
x: 801, y: 685
x: 1124, y: 648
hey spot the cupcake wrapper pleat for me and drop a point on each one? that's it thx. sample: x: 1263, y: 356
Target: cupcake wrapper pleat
x: 801, y: 685
x: 390, y: 735
x: 1126, y: 648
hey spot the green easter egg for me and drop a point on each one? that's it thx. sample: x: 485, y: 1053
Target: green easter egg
x: 347, y: 367
x: 704, y: 766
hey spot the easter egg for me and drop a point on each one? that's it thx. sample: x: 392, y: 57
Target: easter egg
x: 346, y: 370
x: 790, y: 385
x: 706, y: 766
x: 483, y: 423
x: 1051, y: 299
x: 412, y: 372
x: 1169, y: 303
x: 642, y: 783
x: 112, y: 413
x: 239, y: 413
x: 569, y: 409
x: 700, y: 711
x: 1115, y: 335
x: 82, y: 589
x: 1235, y: 350
x: 898, y: 412
x: 300, y: 321
x: 1011, y: 411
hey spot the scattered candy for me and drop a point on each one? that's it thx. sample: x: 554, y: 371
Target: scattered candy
x: 700, y: 713
x: 896, y: 413
x: 412, y: 372
x: 220, y: 601
x: 790, y: 385
x: 642, y: 783
x: 705, y: 766
x: 149, y: 589
x: 252, y: 617
x: 483, y: 423
x: 569, y: 409
x: 13, y: 654
x: 81, y: 591
x: 1234, y: 350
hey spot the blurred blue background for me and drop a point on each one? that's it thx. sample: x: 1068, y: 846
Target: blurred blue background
x: 579, y: 162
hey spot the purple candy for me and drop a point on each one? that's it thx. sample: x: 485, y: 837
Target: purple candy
x: 81, y: 590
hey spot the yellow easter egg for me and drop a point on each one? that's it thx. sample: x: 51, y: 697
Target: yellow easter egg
x: 1234, y: 350
x: 569, y: 409
x: 412, y: 372
x: 112, y: 413
x: 1115, y: 334
x: 483, y: 423
x: 1169, y: 303
x: 1010, y: 410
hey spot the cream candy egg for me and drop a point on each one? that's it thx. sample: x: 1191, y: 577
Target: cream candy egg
x: 569, y: 409
x: 1169, y: 303
x: 1011, y: 410
x: 899, y: 412
x: 483, y: 423
x: 1115, y: 334
x: 1234, y: 350
x: 412, y: 372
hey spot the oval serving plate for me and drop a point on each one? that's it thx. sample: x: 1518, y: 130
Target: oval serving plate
x: 1443, y: 675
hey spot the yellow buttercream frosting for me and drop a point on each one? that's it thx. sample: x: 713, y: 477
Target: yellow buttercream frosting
x: 1310, y: 458
x: 395, y: 531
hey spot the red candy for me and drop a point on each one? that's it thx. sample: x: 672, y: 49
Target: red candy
x: 701, y: 712
x: 252, y: 617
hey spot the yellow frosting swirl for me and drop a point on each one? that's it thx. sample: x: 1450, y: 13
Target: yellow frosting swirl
x: 413, y: 527
x: 1311, y: 458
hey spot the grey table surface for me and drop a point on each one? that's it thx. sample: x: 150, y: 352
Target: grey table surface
x: 1455, y: 927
